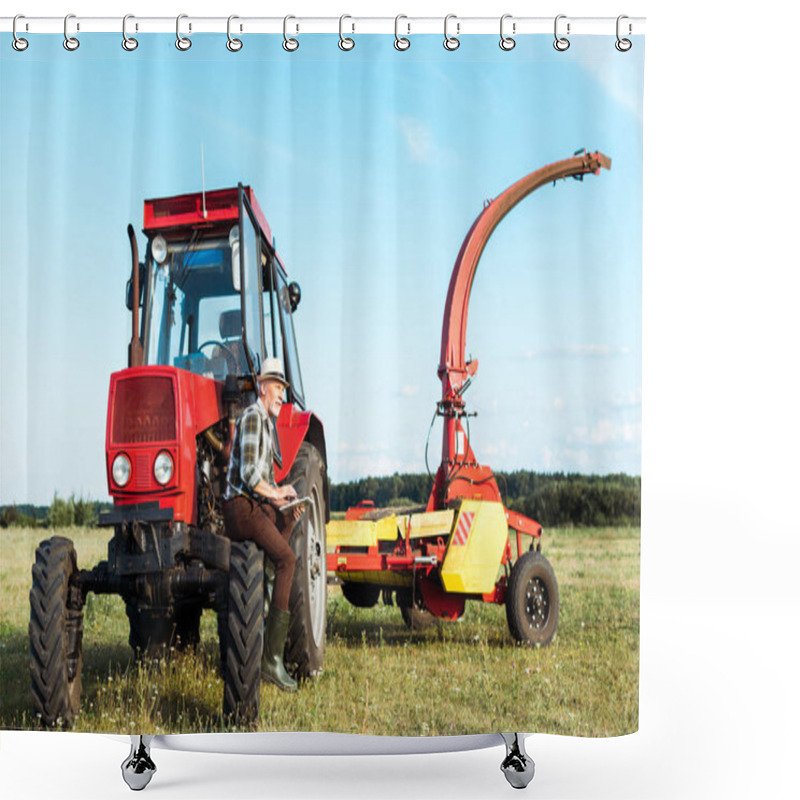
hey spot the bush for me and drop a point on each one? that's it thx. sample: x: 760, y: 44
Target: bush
x: 65, y: 513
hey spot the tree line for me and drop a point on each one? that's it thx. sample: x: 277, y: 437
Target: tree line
x: 63, y: 512
x: 551, y: 499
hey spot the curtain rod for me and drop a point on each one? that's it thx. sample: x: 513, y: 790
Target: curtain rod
x: 512, y: 26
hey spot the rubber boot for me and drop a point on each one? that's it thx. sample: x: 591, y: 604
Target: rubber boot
x: 272, y: 667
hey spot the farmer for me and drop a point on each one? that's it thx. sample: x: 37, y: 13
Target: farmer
x: 253, y: 508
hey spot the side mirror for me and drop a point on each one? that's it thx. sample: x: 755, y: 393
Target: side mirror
x: 294, y: 295
x: 233, y: 241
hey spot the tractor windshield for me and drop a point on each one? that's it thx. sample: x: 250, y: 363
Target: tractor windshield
x: 195, y: 319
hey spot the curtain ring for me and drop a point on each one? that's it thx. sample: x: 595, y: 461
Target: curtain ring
x: 623, y: 45
x: 70, y: 42
x: 561, y: 43
x: 507, y: 42
x: 19, y: 44
x: 451, y: 42
x: 400, y: 42
x: 289, y: 44
x: 233, y: 44
x: 181, y: 42
x: 345, y: 42
x: 128, y: 42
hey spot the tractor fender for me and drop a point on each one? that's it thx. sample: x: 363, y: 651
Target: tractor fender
x: 295, y: 427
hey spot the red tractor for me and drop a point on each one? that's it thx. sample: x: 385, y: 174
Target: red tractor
x: 215, y: 301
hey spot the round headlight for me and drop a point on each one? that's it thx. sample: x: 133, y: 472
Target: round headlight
x: 162, y: 468
x: 121, y: 470
x: 159, y: 249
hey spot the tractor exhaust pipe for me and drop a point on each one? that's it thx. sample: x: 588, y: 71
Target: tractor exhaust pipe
x: 135, y: 352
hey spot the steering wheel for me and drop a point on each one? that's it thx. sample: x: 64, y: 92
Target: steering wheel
x: 229, y: 355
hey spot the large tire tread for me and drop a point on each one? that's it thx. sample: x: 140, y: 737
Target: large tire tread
x: 302, y: 655
x: 243, y: 641
x: 56, y: 627
x: 532, y: 566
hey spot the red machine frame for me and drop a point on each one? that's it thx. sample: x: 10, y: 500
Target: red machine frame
x: 459, y: 475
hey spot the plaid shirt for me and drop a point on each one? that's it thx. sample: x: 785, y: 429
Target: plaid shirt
x: 251, y: 452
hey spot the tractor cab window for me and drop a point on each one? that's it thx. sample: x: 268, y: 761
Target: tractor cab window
x: 195, y: 320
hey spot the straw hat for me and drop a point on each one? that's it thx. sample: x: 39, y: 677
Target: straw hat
x: 272, y: 370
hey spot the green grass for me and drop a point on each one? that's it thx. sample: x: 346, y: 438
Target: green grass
x: 378, y: 678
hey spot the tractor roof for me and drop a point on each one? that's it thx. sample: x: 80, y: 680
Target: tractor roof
x: 186, y: 211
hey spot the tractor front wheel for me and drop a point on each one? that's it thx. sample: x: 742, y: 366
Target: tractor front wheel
x: 308, y: 599
x: 532, y: 600
x: 56, y: 633
x: 243, y: 639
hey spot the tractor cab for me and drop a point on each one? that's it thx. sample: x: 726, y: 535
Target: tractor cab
x: 214, y: 294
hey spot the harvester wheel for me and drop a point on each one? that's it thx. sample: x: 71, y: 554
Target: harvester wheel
x: 308, y: 599
x: 56, y: 633
x: 413, y: 611
x: 532, y: 600
x: 361, y: 595
x: 242, y: 639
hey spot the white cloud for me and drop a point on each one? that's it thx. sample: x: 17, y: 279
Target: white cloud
x: 577, y: 351
x: 409, y: 390
x: 632, y: 399
x: 606, y: 431
x: 418, y: 139
x: 621, y: 85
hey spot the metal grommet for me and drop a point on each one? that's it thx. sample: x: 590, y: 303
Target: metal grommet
x: 623, y: 45
x: 128, y: 42
x: 561, y: 43
x: 507, y: 42
x: 19, y: 44
x: 289, y: 44
x: 451, y: 42
x: 181, y: 42
x: 233, y: 44
x: 400, y: 42
x: 70, y: 42
x: 345, y: 42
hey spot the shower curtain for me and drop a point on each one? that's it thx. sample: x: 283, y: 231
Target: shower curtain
x: 372, y: 192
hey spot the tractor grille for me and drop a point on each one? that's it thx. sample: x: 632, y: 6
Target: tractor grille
x: 142, y: 479
x: 144, y: 412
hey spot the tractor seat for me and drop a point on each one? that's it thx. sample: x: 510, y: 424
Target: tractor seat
x: 230, y: 332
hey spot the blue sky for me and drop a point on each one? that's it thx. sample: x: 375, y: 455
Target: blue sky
x: 370, y: 167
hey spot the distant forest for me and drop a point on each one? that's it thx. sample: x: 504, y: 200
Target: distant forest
x: 549, y: 498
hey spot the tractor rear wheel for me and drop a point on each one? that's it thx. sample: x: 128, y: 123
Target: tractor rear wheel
x: 308, y: 599
x: 56, y: 633
x: 243, y: 638
x: 361, y: 595
x: 532, y: 600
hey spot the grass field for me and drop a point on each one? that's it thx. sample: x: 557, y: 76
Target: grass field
x: 378, y: 678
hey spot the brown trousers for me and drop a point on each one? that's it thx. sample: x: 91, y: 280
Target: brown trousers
x: 262, y: 523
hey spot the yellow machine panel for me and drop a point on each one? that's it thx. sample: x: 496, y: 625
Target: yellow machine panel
x: 367, y: 533
x: 475, y: 550
x: 361, y: 533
